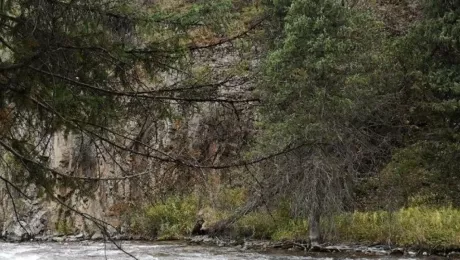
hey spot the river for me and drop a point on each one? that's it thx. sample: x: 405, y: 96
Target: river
x: 142, y: 251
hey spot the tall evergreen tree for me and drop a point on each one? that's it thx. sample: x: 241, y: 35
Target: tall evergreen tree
x: 325, y: 88
x: 427, y: 167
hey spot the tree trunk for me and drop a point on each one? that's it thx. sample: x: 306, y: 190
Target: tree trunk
x: 314, y: 232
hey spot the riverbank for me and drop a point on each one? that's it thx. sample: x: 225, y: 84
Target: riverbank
x: 419, y: 227
x: 257, y: 245
x: 327, y: 248
x: 412, y: 231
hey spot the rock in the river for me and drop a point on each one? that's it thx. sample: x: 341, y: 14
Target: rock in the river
x: 32, y: 224
x: 454, y: 255
x: 38, y: 223
x: 75, y: 238
x: 97, y: 236
x: 16, y: 231
x: 256, y: 245
x: 43, y: 238
x: 201, y: 240
x: 121, y: 237
x: 397, y: 251
x: 58, y: 239
x: 80, y: 236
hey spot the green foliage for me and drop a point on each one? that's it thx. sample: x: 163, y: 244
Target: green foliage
x: 329, y: 83
x: 176, y: 216
x: 336, y: 77
x: 367, y: 100
x: 420, y: 226
x: 169, y: 220
x: 63, y: 228
x: 256, y: 225
x: 425, y: 172
x: 366, y: 227
x: 428, y: 162
x: 427, y: 227
x: 322, y: 71
x: 276, y: 224
x: 413, y: 226
x: 439, y: 7
x: 291, y: 229
x: 185, y: 14
x: 231, y: 199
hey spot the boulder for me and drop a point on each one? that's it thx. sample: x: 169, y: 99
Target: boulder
x: 75, y: 238
x: 16, y: 231
x: 121, y: 237
x: 80, y: 236
x: 112, y: 231
x: 58, y: 239
x: 97, y: 236
x: 454, y: 255
x: 29, y: 227
x: 38, y: 223
x: 397, y: 251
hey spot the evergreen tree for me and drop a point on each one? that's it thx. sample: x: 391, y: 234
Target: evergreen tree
x: 428, y: 54
x: 326, y: 90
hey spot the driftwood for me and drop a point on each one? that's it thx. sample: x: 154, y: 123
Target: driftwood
x: 224, y: 226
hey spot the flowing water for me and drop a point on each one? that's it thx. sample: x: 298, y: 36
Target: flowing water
x: 142, y: 251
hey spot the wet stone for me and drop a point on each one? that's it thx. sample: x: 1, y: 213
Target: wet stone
x: 454, y: 255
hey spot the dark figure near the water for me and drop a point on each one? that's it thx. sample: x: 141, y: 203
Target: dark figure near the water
x: 198, y: 228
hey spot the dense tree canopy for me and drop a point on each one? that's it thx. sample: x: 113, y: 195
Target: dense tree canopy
x: 325, y: 86
x: 362, y: 100
x: 353, y: 101
x: 428, y: 56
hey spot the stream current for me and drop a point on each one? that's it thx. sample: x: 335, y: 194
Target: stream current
x: 144, y: 251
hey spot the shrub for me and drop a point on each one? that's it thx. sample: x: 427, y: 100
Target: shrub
x: 422, y: 226
x: 169, y: 220
x: 256, y: 225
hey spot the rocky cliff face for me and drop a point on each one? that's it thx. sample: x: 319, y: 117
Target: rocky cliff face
x: 209, y: 133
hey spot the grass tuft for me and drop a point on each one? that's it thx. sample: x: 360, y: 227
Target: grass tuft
x: 413, y: 226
